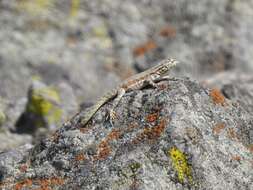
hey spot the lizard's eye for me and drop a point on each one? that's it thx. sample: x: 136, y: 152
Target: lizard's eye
x: 164, y: 69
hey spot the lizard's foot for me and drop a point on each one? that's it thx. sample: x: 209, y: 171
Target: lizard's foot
x: 156, y: 85
x: 112, y: 115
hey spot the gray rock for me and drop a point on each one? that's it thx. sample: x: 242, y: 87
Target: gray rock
x: 240, y: 91
x: 81, y: 51
x: 183, y: 136
x: 8, y: 158
x: 236, y: 86
x: 11, y: 140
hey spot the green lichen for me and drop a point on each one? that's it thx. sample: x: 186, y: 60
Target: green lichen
x: 135, y: 166
x: 127, y: 175
x: 181, y: 165
x: 44, y: 102
x: 130, y: 170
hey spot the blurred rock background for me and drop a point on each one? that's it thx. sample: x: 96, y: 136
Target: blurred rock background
x: 58, y: 55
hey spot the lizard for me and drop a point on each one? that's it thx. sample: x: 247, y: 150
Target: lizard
x: 148, y: 77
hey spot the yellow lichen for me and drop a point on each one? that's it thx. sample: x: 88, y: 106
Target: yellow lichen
x: 44, y: 103
x: 36, y: 77
x: 180, y: 164
x: 2, y: 115
x: 75, y: 4
x: 100, y: 31
x: 35, y: 6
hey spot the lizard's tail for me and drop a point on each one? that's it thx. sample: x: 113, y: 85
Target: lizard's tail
x: 93, y: 109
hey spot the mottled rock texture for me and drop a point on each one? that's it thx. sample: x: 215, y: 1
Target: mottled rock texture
x: 179, y: 136
x: 90, y: 46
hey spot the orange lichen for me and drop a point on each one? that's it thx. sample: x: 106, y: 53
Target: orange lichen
x: 144, y: 48
x: 155, y: 132
x: 104, y: 148
x: 151, y: 133
x: 236, y: 158
x: 57, y: 181
x: 217, y: 97
x: 104, y: 151
x: 25, y: 183
x: 80, y: 157
x: 43, y: 183
x: 168, y: 31
x: 218, y: 128
x: 152, y: 117
x: 46, y: 183
x: 250, y: 147
x: 114, y: 134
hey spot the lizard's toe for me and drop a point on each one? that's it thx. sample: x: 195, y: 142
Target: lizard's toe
x: 113, y: 115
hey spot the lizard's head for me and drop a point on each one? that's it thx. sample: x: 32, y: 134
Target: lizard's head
x: 164, y: 66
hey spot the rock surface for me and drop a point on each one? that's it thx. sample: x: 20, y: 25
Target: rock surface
x: 89, y: 46
x: 10, y: 141
x: 184, y: 138
x: 180, y: 136
x: 236, y: 86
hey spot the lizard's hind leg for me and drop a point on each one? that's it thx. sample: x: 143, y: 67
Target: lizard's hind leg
x: 120, y: 94
x: 152, y: 83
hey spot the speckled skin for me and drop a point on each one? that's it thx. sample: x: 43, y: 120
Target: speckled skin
x: 148, y: 77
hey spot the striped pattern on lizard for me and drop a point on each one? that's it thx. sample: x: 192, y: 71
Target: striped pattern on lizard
x: 136, y: 82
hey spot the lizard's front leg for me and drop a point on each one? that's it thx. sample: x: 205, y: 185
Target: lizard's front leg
x: 116, y: 101
x: 166, y: 77
x: 153, y: 82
